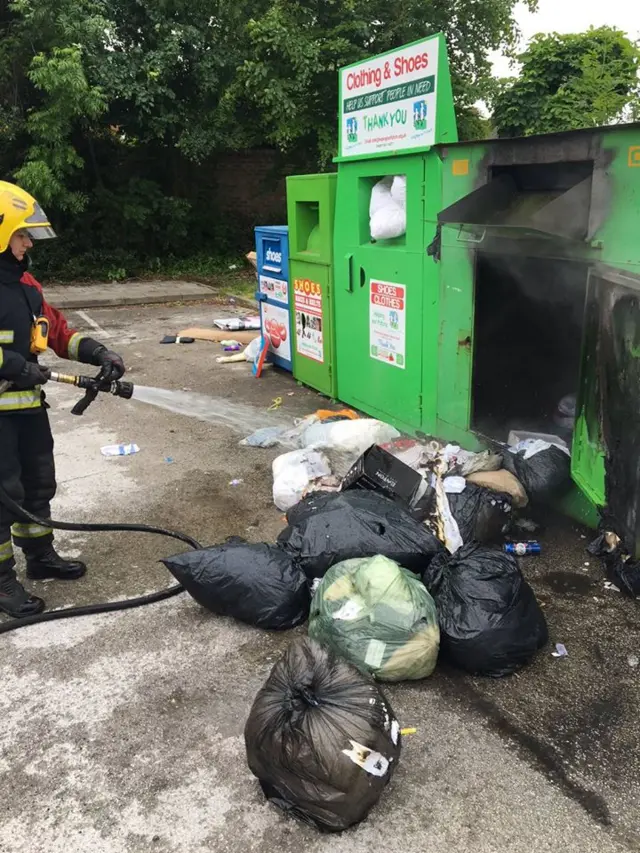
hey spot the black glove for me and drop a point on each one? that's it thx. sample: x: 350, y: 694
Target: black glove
x: 32, y: 374
x: 112, y: 366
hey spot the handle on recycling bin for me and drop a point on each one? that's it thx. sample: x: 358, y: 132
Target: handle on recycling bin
x: 350, y: 273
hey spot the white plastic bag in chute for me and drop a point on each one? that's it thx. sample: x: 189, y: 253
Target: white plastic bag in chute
x: 387, y: 209
x: 399, y: 191
x: 388, y: 223
x: 380, y: 196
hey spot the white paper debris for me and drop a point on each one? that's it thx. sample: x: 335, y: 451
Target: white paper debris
x: 348, y: 612
x: 371, y: 762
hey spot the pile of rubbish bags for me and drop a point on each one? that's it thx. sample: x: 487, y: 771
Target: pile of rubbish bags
x: 490, y: 621
x: 396, y: 562
x: 258, y: 584
x: 544, y: 469
x: 328, y: 528
x: 461, y: 496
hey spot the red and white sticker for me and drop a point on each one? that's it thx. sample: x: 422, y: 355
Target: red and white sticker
x: 309, y: 319
x: 387, y: 323
x: 275, y: 328
x: 274, y: 288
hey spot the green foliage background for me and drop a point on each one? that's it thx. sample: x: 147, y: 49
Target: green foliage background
x: 110, y: 110
x: 570, y: 81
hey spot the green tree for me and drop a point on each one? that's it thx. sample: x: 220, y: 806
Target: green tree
x: 108, y: 106
x: 187, y: 78
x: 155, y: 71
x: 51, y: 94
x: 106, y: 100
x: 570, y: 81
x: 296, y: 47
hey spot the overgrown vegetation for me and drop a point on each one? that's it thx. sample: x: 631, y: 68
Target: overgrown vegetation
x: 111, y: 111
x: 570, y: 81
x: 109, y: 108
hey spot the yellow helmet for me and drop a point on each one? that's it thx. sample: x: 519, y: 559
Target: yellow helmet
x: 19, y: 210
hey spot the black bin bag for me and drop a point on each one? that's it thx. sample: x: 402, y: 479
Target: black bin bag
x: 482, y: 515
x: 490, y: 621
x: 621, y: 570
x: 257, y: 584
x: 321, y: 738
x: 545, y: 475
x: 329, y: 528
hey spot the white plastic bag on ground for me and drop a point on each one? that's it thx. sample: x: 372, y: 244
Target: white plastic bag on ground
x: 252, y: 352
x: 294, y: 472
x: 344, y: 442
x: 352, y: 437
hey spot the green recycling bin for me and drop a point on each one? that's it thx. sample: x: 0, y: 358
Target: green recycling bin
x: 394, y: 110
x: 311, y: 203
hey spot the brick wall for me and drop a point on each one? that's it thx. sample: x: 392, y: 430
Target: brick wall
x: 250, y: 185
x: 237, y: 190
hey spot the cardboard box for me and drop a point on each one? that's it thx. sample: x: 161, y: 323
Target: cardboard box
x: 379, y: 471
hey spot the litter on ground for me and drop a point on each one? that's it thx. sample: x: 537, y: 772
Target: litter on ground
x: 398, y: 553
x: 119, y: 450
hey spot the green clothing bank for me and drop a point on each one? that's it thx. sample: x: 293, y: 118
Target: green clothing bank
x: 516, y: 284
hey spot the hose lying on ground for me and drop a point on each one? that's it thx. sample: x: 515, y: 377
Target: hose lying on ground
x: 91, y: 609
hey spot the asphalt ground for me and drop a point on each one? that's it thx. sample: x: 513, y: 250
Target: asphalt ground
x: 124, y: 732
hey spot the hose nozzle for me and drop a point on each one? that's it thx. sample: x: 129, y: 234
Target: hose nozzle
x: 92, y: 387
x: 122, y: 389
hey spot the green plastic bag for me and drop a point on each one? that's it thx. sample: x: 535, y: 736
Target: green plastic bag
x: 378, y: 616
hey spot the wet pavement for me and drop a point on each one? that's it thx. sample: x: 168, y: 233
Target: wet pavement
x: 576, y: 717
x: 124, y: 732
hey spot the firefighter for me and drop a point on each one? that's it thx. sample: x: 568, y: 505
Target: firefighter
x: 28, y: 325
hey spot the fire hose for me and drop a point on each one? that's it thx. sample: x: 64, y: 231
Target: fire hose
x: 91, y: 387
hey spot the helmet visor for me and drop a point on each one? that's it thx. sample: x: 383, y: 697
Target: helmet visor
x: 38, y: 226
x: 42, y: 232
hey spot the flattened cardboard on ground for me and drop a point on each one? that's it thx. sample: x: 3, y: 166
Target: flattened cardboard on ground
x: 218, y: 335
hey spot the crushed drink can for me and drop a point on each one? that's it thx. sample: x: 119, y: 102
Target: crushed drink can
x: 523, y: 549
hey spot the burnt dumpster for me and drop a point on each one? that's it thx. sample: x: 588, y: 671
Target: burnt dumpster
x: 499, y: 301
x: 540, y: 304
